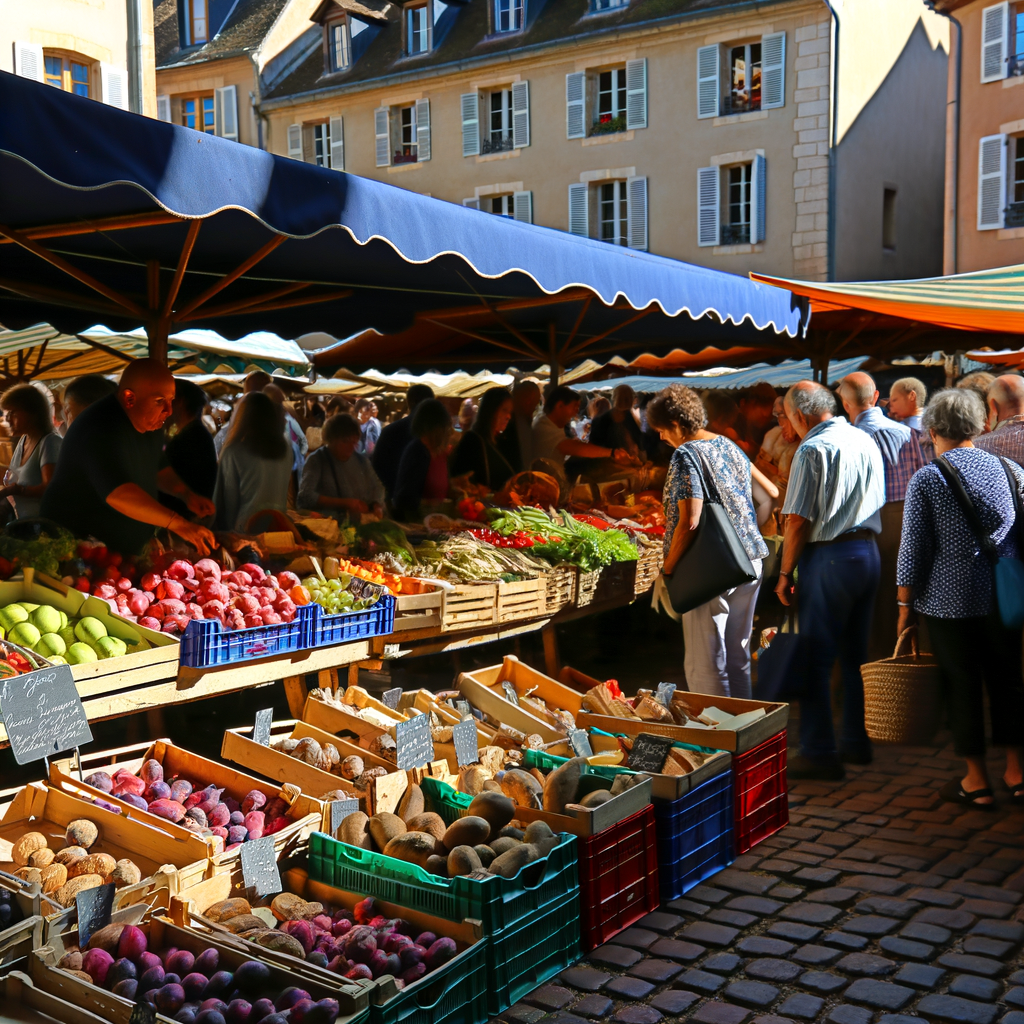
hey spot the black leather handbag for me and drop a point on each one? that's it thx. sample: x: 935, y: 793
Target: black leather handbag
x: 716, y: 560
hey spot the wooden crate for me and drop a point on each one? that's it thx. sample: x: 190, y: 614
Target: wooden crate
x: 522, y: 600
x: 747, y: 737
x: 588, y: 821
x: 23, y: 1003
x: 469, y: 606
x: 586, y: 587
x: 305, y: 814
x: 314, y: 783
x: 616, y: 584
x: 161, y: 932
x: 560, y: 588
x: 165, y: 856
x: 648, y: 567
x: 419, y: 611
x: 340, y: 723
x: 18, y: 940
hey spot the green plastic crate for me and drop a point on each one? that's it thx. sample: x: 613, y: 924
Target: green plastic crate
x: 498, y: 903
x: 456, y: 993
x: 440, y: 798
x: 528, y: 954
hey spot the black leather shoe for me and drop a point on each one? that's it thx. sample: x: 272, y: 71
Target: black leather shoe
x: 857, y: 756
x: 828, y: 769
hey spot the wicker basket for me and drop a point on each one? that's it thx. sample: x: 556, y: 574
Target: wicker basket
x: 902, y: 695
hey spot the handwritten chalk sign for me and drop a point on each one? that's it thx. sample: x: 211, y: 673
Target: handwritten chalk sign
x: 143, y: 1013
x: 649, y: 752
x: 664, y: 694
x: 43, y: 713
x: 414, y: 742
x: 261, y: 730
x: 340, y: 810
x: 259, y: 866
x: 510, y: 692
x: 467, y: 749
x: 580, y: 743
x: 94, y: 907
x: 390, y: 698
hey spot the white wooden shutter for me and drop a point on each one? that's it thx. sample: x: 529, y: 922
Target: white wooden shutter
x: 163, y: 107
x: 422, y: 130
x: 773, y: 70
x: 295, y: 141
x: 473, y: 204
x: 579, y: 215
x: 522, y: 207
x: 758, y: 197
x: 575, y: 101
x: 709, y: 85
x: 470, y: 105
x: 382, y: 135
x: 520, y: 114
x: 995, y: 30
x: 991, y: 181
x: 28, y: 61
x: 338, y: 143
x: 636, y: 213
x: 114, y: 86
x: 636, y: 93
x: 708, y: 202
x: 225, y: 112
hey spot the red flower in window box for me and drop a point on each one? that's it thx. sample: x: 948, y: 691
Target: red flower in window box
x: 605, y: 119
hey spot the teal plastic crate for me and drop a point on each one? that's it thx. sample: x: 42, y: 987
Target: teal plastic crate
x: 440, y: 798
x: 456, y: 993
x: 498, y: 903
x: 526, y: 955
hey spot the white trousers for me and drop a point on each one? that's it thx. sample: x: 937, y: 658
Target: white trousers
x: 717, y: 639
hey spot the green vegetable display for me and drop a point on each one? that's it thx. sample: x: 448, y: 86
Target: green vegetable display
x: 45, y: 553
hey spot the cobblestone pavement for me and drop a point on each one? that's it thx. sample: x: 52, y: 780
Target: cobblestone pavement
x: 879, y: 903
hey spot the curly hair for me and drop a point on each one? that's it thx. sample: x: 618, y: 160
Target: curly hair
x: 677, y: 406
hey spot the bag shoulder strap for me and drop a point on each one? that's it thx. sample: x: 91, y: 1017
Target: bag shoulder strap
x: 956, y: 485
x: 1018, y: 514
x: 711, y: 492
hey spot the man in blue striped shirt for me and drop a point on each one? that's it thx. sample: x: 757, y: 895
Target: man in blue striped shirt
x: 836, y: 489
x: 902, y: 458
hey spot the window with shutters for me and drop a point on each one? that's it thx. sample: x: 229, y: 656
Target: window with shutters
x: 407, y: 142
x: 732, y: 202
x: 318, y: 143
x: 1014, y: 217
x: 418, y: 29
x: 198, y: 112
x: 610, y: 109
x: 340, y: 45
x: 1015, y: 61
x: 744, y: 79
x: 736, y: 228
x: 613, y: 212
x: 607, y: 100
x: 67, y: 72
x: 509, y: 15
x: 498, y: 137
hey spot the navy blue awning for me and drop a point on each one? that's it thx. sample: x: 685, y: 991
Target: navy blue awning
x: 109, y: 216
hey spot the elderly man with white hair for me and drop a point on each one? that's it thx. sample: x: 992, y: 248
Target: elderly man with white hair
x: 902, y: 458
x: 1005, y: 401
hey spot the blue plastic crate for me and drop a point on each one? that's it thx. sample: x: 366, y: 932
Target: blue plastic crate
x: 695, y: 835
x: 377, y: 620
x: 206, y: 643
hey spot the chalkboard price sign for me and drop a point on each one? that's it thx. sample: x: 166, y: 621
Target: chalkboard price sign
x: 414, y: 742
x: 580, y: 743
x: 664, y: 694
x: 261, y: 730
x: 43, y: 713
x: 340, y: 810
x: 649, y: 752
x: 259, y: 866
x: 390, y: 698
x: 94, y: 907
x: 464, y: 736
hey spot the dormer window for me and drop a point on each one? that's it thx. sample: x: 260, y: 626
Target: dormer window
x: 196, y: 21
x: 508, y: 15
x: 340, y: 46
x: 418, y: 29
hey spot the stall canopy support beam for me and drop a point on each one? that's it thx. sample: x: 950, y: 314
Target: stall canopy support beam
x: 554, y: 371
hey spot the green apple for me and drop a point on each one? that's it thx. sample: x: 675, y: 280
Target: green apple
x: 11, y: 615
x: 46, y: 619
x: 63, y: 618
x: 111, y: 647
x: 50, y: 644
x: 79, y: 653
x: 56, y: 659
x: 67, y: 634
x: 28, y: 606
x: 24, y: 633
x: 89, y: 630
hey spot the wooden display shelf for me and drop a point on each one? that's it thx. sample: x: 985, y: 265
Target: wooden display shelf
x: 23, y: 1003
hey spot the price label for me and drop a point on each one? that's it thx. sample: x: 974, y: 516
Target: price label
x: 464, y: 736
x: 390, y: 698
x: 580, y: 743
x: 43, y: 713
x: 464, y: 710
x: 259, y: 866
x: 649, y: 752
x: 94, y: 907
x: 340, y: 810
x: 261, y: 730
x: 510, y: 692
x: 664, y: 694
x: 143, y: 1013
x: 414, y: 742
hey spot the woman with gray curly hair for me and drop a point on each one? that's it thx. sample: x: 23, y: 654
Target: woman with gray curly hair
x: 943, y: 574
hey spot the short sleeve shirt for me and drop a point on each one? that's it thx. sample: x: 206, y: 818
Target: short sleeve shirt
x: 29, y: 473
x: 731, y: 471
x: 546, y: 439
x: 102, y: 451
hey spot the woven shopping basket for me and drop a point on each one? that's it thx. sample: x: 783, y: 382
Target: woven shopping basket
x: 902, y: 695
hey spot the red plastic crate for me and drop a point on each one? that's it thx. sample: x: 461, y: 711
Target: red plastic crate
x: 618, y: 878
x: 760, y: 792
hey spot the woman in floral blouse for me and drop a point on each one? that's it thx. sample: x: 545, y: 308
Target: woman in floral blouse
x: 716, y: 634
